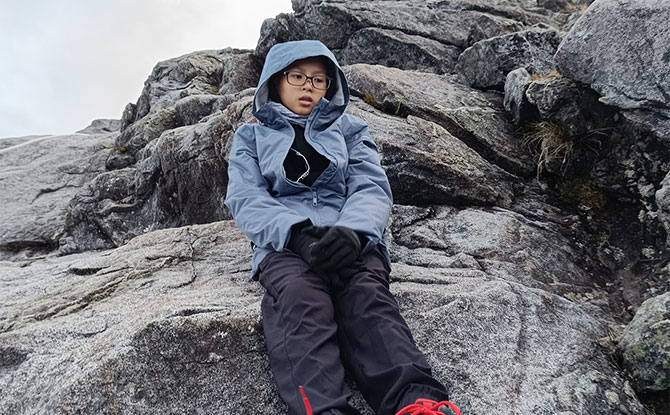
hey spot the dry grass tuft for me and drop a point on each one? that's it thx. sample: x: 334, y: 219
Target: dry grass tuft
x: 551, y: 144
x: 552, y: 74
x: 571, y: 7
x: 369, y: 100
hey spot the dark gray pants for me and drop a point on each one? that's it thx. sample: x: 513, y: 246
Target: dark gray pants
x: 312, y: 333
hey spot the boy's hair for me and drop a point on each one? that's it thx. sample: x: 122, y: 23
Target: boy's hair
x: 331, y: 72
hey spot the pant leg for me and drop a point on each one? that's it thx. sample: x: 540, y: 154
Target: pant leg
x: 377, y: 345
x: 301, y: 336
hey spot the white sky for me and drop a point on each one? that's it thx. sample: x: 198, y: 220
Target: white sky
x: 64, y: 63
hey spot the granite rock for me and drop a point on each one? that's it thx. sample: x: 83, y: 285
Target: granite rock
x: 645, y: 346
x: 486, y: 64
x: 38, y: 178
x: 620, y: 49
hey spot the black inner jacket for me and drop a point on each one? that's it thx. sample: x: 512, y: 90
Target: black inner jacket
x: 295, y: 165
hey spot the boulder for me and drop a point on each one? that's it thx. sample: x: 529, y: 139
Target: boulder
x: 653, y: 121
x: 167, y: 323
x: 530, y: 345
x: 191, y: 109
x: 644, y: 346
x: 486, y: 64
x: 282, y: 28
x: 425, y: 164
x: 564, y: 4
x: 567, y: 5
x: 228, y: 70
x: 240, y: 70
x: 138, y: 134
x: 619, y: 49
x: 574, y: 108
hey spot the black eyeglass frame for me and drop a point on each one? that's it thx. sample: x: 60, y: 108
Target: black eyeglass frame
x: 310, y: 79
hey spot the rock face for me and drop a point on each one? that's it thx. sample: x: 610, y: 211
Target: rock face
x: 12, y: 141
x: 38, y: 177
x: 170, y: 323
x: 425, y: 164
x: 137, y: 329
x: 404, y: 28
x: 180, y: 92
x: 476, y: 118
x: 527, y: 227
x: 180, y: 178
x: 498, y: 242
x: 395, y: 48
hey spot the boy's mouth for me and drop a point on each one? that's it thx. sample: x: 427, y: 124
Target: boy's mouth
x: 306, y: 99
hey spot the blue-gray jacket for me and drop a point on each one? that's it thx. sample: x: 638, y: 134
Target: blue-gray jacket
x: 353, y: 191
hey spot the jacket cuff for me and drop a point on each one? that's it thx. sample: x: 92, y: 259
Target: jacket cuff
x: 363, y: 239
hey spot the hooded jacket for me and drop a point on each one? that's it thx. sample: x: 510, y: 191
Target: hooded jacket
x: 353, y: 191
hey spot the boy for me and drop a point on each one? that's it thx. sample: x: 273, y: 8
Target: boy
x: 306, y: 186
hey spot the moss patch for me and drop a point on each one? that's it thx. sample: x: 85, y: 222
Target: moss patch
x: 581, y: 192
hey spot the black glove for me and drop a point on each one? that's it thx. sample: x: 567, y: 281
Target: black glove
x: 338, y: 248
x: 339, y: 279
x: 303, y: 238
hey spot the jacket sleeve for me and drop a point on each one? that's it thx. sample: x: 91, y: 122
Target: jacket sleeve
x: 261, y: 217
x: 369, y: 199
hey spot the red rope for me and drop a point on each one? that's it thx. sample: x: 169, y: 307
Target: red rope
x: 427, y: 407
x: 308, y: 407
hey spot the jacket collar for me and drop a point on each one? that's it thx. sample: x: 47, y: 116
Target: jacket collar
x: 323, y: 114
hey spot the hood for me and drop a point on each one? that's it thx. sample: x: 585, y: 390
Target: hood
x: 284, y: 54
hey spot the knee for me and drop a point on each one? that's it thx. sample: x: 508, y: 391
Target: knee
x: 291, y: 283
x: 301, y: 303
x: 369, y: 282
x: 366, y: 294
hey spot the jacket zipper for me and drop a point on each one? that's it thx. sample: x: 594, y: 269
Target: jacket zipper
x: 314, y: 200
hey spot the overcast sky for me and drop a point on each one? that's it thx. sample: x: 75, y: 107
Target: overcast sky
x: 64, y: 63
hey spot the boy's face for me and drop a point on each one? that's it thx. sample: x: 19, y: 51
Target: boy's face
x: 302, y: 99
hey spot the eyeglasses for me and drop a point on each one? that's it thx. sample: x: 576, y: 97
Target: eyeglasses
x: 299, y: 79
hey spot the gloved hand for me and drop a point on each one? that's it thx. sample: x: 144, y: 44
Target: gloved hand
x: 303, y: 239
x: 338, y: 279
x: 339, y: 247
